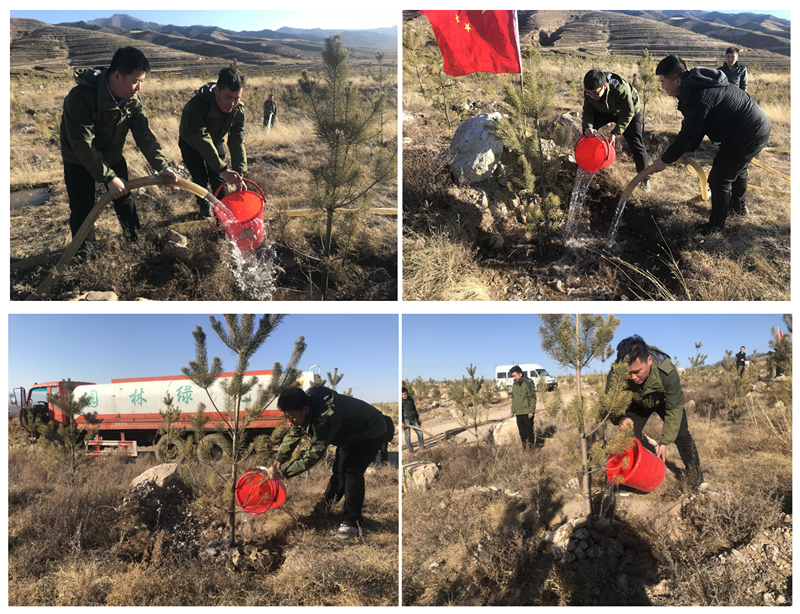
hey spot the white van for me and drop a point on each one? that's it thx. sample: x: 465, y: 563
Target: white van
x: 533, y: 371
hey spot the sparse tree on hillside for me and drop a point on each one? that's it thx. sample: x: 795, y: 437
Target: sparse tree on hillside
x: 699, y: 360
x: 413, y: 58
x: 470, y: 395
x: 781, y: 345
x: 243, y: 400
x: 734, y: 386
x: 647, y: 85
x: 169, y: 448
x: 521, y: 133
x: 574, y: 343
x: 349, y: 172
x: 64, y: 444
x: 607, y: 353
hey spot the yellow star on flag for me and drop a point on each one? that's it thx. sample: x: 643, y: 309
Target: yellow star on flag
x: 457, y: 19
x: 467, y: 28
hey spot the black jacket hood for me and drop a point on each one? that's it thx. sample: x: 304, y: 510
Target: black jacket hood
x: 205, y: 91
x: 89, y: 76
x: 701, y: 78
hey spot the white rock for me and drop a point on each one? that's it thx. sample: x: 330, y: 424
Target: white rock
x: 505, y: 433
x: 161, y: 476
x: 419, y: 475
x: 474, y: 152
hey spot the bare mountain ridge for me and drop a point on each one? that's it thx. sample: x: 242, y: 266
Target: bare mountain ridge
x: 46, y: 48
x: 375, y: 37
x: 598, y: 33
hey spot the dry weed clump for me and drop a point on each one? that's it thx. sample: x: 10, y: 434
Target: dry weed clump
x: 437, y: 269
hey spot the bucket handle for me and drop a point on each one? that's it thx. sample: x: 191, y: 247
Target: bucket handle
x: 253, y: 183
x: 597, y: 135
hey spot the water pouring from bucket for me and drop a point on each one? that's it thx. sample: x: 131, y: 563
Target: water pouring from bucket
x: 256, y: 493
x: 595, y: 152
x: 241, y: 214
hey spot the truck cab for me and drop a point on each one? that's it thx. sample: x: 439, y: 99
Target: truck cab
x: 21, y: 402
x: 531, y: 370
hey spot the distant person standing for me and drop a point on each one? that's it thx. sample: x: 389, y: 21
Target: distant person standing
x: 98, y: 114
x: 213, y: 113
x: 411, y: 418
x: 729, y: 117
x: 270, y: 111
x: 736, y: 73
x: 523, y: 406
x: 741, y: 357
x: 608, y: 98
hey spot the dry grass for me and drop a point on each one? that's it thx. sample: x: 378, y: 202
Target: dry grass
x: 658, y: 255
x: 76, y: 544
x: 278, y: 161
x: 464, y: 546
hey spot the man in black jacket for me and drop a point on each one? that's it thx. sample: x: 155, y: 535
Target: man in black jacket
x: 411, y: 418
x: 741, y: 358
x: 736, y: 73
x: 328, y: 418
x: 730, y: 117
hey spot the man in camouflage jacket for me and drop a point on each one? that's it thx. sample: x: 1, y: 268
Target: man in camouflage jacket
x: 608, y: 98
x: 212, y: 114
x: 656, y: 387
x: 98, y: 114
x: 328, y: 418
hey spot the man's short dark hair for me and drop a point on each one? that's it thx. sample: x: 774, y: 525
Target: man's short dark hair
x: 515, y: 369
x: 594, y: 79
x: 230, y: 78
x: 293, y: 399
x: 405, y: 390
x: 128, y: 59
x: 732, y: 50
x: 634, y: 348
x: 672, y: 67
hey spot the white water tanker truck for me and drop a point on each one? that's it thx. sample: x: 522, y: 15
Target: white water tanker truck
x: 128, y: 409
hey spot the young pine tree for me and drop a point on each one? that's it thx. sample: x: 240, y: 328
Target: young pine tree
x: 243, y: 337
x: 64, y: 444
x: 520, y: 131
x: 334, y: 378
x: 169, y: 448
x: 699, y: 360
x: 345, y: 123
x: 648, y: 83
x: 470, y: 395
x: 574, y: 343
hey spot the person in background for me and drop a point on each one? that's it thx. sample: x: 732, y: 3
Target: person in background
x: 523, y: 406
x: 736, y: 73
x: 741, y: 357
x: 411, y: 418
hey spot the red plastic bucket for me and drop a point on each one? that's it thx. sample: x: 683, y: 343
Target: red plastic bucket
x: 637, y: 467
x: 256, y: 494
x: 594, y: 152
x: 245, y: 224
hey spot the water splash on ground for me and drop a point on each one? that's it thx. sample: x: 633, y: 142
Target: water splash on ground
x: 578, y: 197
x: 253, y: 271
x: 615, y: 224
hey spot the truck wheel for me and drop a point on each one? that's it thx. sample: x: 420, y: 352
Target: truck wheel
x: 210, y: 449
x: 169, y: 451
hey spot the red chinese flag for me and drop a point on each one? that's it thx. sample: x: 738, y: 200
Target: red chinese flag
x: 780, y: 333
x: 477, y: 41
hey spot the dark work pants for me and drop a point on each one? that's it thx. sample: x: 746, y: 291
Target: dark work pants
x: 525, y: 426
x: 80, y: 191
x: 740, y: 368
x: 347, y: 480
x: 633, y: 136
x: 728, y: 177
x: 201, y: 174
x: 684, y: 441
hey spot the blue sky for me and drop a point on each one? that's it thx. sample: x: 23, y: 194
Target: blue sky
x: 97, y: 348
x: 442, y: 346
x: 237, y: 20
